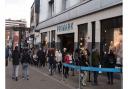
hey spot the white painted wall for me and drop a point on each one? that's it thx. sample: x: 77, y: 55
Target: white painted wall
x: 58, y: 6
x: 44, y: 7
x: 73, y: 2
x: 37, y: 37
x: 88, y: 19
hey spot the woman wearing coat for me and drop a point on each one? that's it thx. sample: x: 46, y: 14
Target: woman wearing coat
x: 15, y: 62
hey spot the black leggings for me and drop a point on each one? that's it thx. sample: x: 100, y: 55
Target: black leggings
x: 110, y: 76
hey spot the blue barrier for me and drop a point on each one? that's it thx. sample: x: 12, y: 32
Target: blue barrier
x: 71, y: 66
x: 92, y: 68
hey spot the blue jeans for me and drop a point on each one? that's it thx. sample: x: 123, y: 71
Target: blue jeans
x: 25, y: 70
x: 15, y: 71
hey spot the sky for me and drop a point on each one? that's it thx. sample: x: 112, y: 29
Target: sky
x: 18, y: 9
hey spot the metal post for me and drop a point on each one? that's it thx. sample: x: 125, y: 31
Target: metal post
x: 79, y: 79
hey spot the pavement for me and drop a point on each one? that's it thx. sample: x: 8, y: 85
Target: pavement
x: 40, y: 79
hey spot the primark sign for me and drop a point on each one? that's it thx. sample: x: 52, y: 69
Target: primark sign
x: 65, y: 27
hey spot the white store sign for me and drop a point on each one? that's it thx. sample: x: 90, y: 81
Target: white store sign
x: 62, y: 28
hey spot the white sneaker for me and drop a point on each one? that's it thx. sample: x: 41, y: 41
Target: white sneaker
x: 84, y: 84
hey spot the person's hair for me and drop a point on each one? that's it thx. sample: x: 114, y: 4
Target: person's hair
x: 16, y: 48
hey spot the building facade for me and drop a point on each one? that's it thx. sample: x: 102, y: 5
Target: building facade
x: 15, y: 32
x: 35, y: 36
x: 76, y: 24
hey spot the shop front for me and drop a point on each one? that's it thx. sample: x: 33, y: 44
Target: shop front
x: 111, y: 37
x: 82, y: 36
x: 67, y: 41
x: 66, y: 36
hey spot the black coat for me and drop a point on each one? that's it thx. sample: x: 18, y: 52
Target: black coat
x: 25, y: 58
x: 15, y: 57
x: 51, y: 59
x: 83, y: 61
x: 110, y: 61
x: 41, y: 55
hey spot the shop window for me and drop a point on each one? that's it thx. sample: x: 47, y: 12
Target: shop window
x: 82, y: 35
x: 44, y: 40
x: 111, y: 36
x: 65, y: 4
x: 53, y: 38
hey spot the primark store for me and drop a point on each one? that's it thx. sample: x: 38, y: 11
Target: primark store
x: 76, y: 24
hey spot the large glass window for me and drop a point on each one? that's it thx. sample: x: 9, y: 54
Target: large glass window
x: 44, y: 39
x: 82, y: 35
x: 53, y: 38
x: 111, y: 36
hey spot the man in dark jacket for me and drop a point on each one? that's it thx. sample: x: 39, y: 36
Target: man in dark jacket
x: 25, y: 62
x: 51, y: 61
x: 41, y: 57
x: 95, y: 63
x: 15, y: 62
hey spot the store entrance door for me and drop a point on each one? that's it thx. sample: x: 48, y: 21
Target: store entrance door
x: 67, y: 41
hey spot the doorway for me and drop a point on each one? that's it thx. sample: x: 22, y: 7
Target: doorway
x: 67, y: 41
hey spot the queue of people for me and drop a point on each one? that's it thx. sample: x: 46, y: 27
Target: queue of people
x: 55, y: 58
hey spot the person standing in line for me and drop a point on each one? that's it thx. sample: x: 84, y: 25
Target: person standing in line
x: 25, y: 62
x: 67, y: 61
x: 64, y: 52
x: 95, y: 63
x: 6, y: 55
x: 84, y: 62
x: 59, y: 60
x: 51, y: 60
x: 111, y: 62
x: 15, y: 62
x: 89, y: 64
x: 76, y: 57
